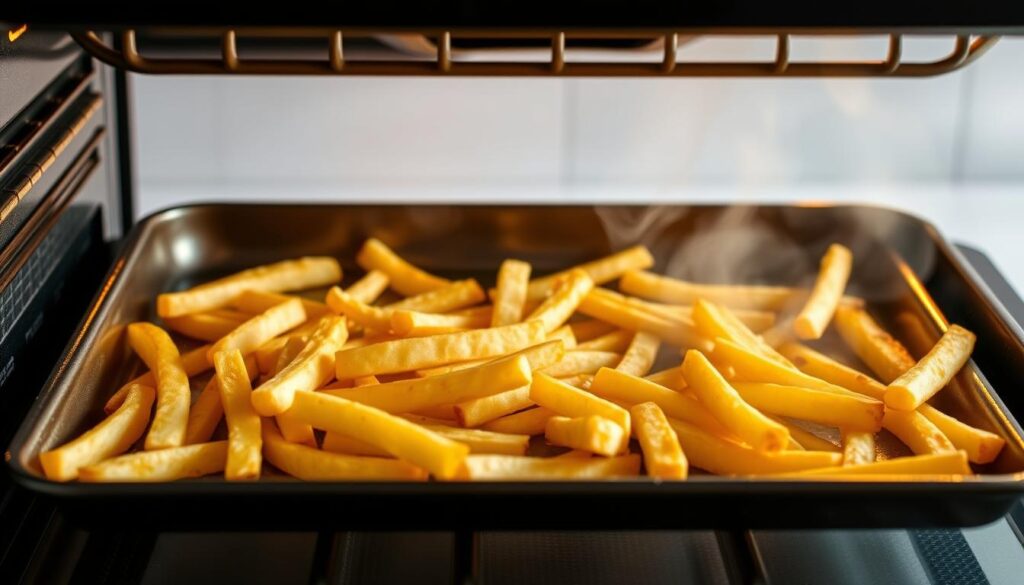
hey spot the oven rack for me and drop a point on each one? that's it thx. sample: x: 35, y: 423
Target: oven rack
x: 431, y: 53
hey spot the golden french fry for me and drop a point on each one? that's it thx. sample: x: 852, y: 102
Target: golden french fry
x: 528, y: 422
x: 663, y: 456
x: 268, y: 354
x: 370, y: 318
x: 163, y: 465
x: 640, y: 355
x: 617, y: 341
x: 752, y: 319
x: 724, y: 457
x: 292, y: 430
x: 600, y: 271
x: 249, y: 336
x: 203, y: 326
x: 567, y: 295
x: 513, y: 468
x: 445, y: 412
x: 405, y: 440
x: 369, y: 288
x: 821, y: 366
x: 606, y: 307
x: 113, y: 436
x: 245, y: 443
x: 806, y: 439
x: 415, y: 324
x: 416, y: 394
x: 345, y: 445
x: 405, y: 278
x: 872, y: 344
x: 723, y: 401
x: 669, y: 378
x: 951, y: 463
x: 255, y: 302
x: 754, y: 367
x: 475, y: 412
x: 565, y: 335
x: 456, y: 295
x: 569, y: 401
x: 673, y: 290
x: 194, y: 362
x: 714, y: 321
x: 574, y: 454
x: 581, y: 381
x: 173, y: 394
x: 311, y: 369
x: 406, y: 355
x: 591, y: 329
x: 917, y: 432
x: 297, y: 274
x: 207, y: 411
x: 838, y: 410
x: 981, y: 446
x: 933, y: 372
x: 312, y: 464
x: 858, y: 447
x: 828, y: 289
x: 510, y: 294
x: 575, y: 362
x: 485, y: 442
x: 540, y: 356
x: 592, y: 433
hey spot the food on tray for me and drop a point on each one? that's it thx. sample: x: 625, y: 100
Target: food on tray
x: 451, y: 383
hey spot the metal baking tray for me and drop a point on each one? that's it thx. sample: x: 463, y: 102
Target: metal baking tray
x: 901, y: 262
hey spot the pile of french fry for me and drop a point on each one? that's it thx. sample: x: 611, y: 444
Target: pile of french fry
x: 454, y: 382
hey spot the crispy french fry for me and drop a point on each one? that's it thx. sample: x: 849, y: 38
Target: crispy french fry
x: 292, y: 348
x: 669, y: 378
x: 582, y: 362
x: 569, y: 401
x: 405, y: 355
x: 407, y: 441
x: 754, y: 367
x: 297, y: 274
x: 445, y: 412
x: 255, y: 302
x: 565, y: 335
x: 510, y: 294
x: 268, y: 354
x: 714, y: 321
x: 567, y: 295
x: 828, y: 289
x: 581, y: 381
x: 345, y: 445
x: 735, y: 414
x: 362, y: 314
x: 825, y: 368
x: 808, y: 440
x: 540, y: 356
x: 369, y: 288
x: 527, y: 422
x: 475, y: 412
x: 673, y: 290
x: 113, y: 436
x: 600, y: 271
x: 858, y: 447
x: 872, y: 344
x: 245, y: 443
x: 203, y: 326
x: 981, y: 446
x: 173, y: 394
x: 194, y: 362
x: 311, y: 369
x: 456, y: 295
x: 608, y: 308
x: 663, y: 456
x: 294, y: 431
x: 314, y: 465
x: 640, y: 355
x: 574, y: 454
x: 207, y: 411
x: 485, y: 442
x: 752, y: 319
x: 725, y: 457
x: 592, y: 433
x: 249, y: 336
x: 416, y: 394
x: 415, y: 324
x: 512, y: 468
x: 617, y: 341
x: 405, y: 278
x: 933, y: 372
x: 163, y: 465
x: 839, y: 410
x: 591, y: 329
x: 917, y: 432
x: 952, y: 463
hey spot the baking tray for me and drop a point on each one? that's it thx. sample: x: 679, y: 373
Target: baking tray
x: 898, y: 259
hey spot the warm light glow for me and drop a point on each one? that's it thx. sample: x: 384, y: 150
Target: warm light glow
x: 14, y: 33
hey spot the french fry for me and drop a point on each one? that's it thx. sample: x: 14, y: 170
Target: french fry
x: 345, y: 445
x: 591, y: 329
x: 752, y: 319
x: 203, y: 326
x: 405, y: 355
x: 724, y: 457
x: 445, y: 412
x: 567, y: 295
x: 981, y: 446
x: 574, y: 454
x: 245, y: 443
x: 569, y: 401
x: 932, y: 372
x: 951, y: 463
x: 582, y: 362
x: 617, y: 341
x: 607, y: 308
x: 917, y: 432
x: 362, y: 314
x: 173, y: 394
x: 510, y: 294
x: 427, y: 421
x: 828, y: 289
x: 600, y: 271
x: 754, y: 367
x: 672, y: 290
x: 255, y: 302
x: 194, y: 362
x: 297, y: 274
x: 268, y: 353
x: 839, y: 410
x: 366, y: 381
x: 596, y: 434
x: 416, y: 394
x: 640, y: 355
x: 663, y: 457
x: 456, y: 295
x: 292, y: 348
x: 825, y: 368
x: 527, y: 422
x: 485, y: 442
x: 314, y: 465
x: 735, y: 414
x: 415, y: 324
x: 294, y: 431
x: 808, y: 440
x: 369, y: 288
x: 872, y: 344
x: 565, y: 335
x: 475, y: 412
x: 405, y: 278
x: 581, y: 381
x: 168, y: 464
x: 858, y: 447
x: 206, y: 412
x: 512, y: 468
x: 113, y: 436
x: 249, y: 336
x: 311, y: 369
x: 540, y: 356
x: 714, y: 321
x: 669, y: 378
x: 407, y: 441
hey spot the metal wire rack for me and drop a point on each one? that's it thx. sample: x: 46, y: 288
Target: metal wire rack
x: 440, y: 59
